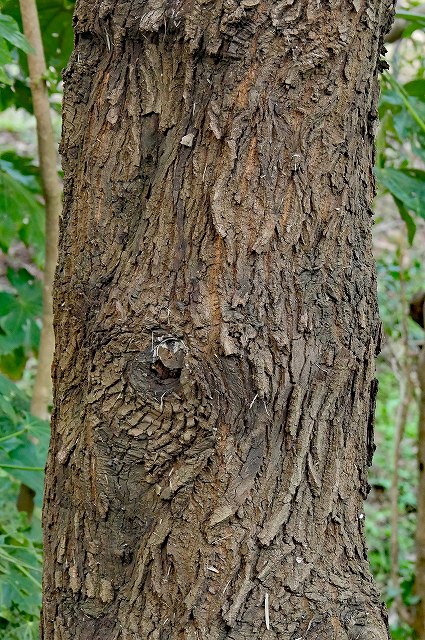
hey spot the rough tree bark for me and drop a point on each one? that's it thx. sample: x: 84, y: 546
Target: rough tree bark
x: 216, y: 323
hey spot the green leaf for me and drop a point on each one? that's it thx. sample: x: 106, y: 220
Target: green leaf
x: 406, y: 185
x: 20, y: 573
x: 18, y: 95
x: 415, y: 88
x: 22, y: 168
x: 9, y: 31
x: 23, y: 454
x: 20, y: 213
x: 20, y: 312
x: 412, y: 16
x: 408, y: 220
x: 56, y: 28
x: 20, y: 564
x: 13, y: 364
x: 5, y: 59
x: 11, y: 392
x: 406, y: 100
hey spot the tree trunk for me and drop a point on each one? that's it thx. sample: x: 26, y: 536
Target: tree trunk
x: 216, y: 324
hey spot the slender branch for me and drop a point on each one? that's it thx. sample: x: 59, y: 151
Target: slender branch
x: 405, y: 99
x: 20, y: 467
x: 419, y: 623
x: 52, y: 191
x: 10, y: 436
x: 403, y: 371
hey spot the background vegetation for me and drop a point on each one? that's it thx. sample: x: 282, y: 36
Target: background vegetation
x: 399, y: 237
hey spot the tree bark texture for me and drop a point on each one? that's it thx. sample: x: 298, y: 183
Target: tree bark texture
x: 216, y: 324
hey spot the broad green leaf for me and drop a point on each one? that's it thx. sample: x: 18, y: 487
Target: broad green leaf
x: 21, y: 215
x: 21, y: 583
x: 20, y: 573
x: 18, y: 96
x: 5, y: 59
x: 56, y: 28
x: 14, y: 415
x: 418, y: 147
x: 22, y: 169
x: 413, y: 108
x: 23, y: 446
x: 9, y: 30
x: 25, y: 630
x: 20, y: 311
x: 415, y: 88
x: 20, y: 565
x: 412, y: 16
x: 406, y: 185
x: 13, y: 364
x: 389, y: 98
x: 8, y: 416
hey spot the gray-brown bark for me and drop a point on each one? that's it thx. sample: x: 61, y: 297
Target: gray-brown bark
x: 216, y: 324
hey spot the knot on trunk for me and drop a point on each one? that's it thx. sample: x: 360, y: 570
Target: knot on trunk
x: 157, y: 370
x: 168, y: 358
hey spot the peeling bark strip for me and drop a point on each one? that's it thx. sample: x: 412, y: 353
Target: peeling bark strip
x: 216, y: 323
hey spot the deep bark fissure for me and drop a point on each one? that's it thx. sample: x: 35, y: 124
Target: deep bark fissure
x: 218, y: 162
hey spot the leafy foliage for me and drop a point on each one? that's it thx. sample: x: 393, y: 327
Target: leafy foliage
x: 401, y: 141
x: 400, y: 173
x: 23, y: 438
x: 21, y: 210
x: 377, y: 509
x: 55, y: 23
x: 9, y: 35
x: 20, y: 573
x: 20, y: 311
x: 416, y: 20
x: 23, y: 447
